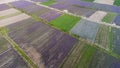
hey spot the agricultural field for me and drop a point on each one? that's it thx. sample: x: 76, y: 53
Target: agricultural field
x: 80, y: 56
x: 59, y: 34
x: 117, y: 20
x: 86, y: 29
x: 96, y: 6
x: 117, y: 2
x: 116, y: 40
x: 75, y: 9
x: 8, y: 13
x: 64, y: 25
x: 103, y: 60
x: 49, y: 47
x: 3, y: 7
x: 109, y: 18
x: 10, y: 59
x: 40, y: 11
x: 12, y: 20
x: 4, y: 45
x: 49, y: 2
x: 88, y: 0
x: 103, y: 37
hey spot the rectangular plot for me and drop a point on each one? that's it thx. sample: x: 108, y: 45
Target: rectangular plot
x: 11, y: 59
x: 65, y: 25
x: 103, y: 60
x: 4, y: 45
x: 13, y: 19
x: 103, y: 37
x: 21, y: 4
x: 97, y: 6
x: 109, y: 18
x: 30, y: 8
x: 80, y: 56
x: 8, y: 12
x: 3, y: 7
x: 117, y: 20
x: 86, y: 29
x: 116, y: 40
x: 46, y: 46
x: 51, y: 15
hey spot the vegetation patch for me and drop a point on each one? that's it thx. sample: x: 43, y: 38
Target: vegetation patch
x: 88, y: 0
x: 109, y: 17
x: 65, y: 22
x: 49, y: 2
x: 117, y: 2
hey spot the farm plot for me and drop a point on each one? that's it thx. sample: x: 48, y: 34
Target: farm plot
x: 48, y: 3
x: 117, y: 20
x: 11, y: 59
x: 51, y: 15
x: 103, y: 37
x: 96, y: 6
x: 80, y: 10
x: 97, y: 16
x: 13, y: 19
x: 117, y: 2
x: 21, y: 4
x: 80, y: 56
x: 8, y: 13
x: 29, y: 9
x: 109, y: 17
x: 3, y: 7
x: 116, y: 40
x: 4, y: 45
x: 103, y: 60
x: 86, y: 29
x: 88, y: 0
x: 39, y: 0
x: 60, y: 6
x: 46, y: 46
x: 65, y: 22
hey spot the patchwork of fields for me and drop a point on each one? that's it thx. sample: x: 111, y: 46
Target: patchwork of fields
x: 60, y: 34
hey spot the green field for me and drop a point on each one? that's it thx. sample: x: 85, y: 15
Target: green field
x: 65, y: 22
x: 109, y: 17
x: 80, y: 56
x: 49, y: 2
x: 88, y: 0
x: 117, y: 2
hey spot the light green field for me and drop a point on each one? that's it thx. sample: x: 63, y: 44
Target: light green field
x: 48, y: 3
x: 65, y: 22
x: 88, y: 0
x: 109, y: 17
x: 80, y: 56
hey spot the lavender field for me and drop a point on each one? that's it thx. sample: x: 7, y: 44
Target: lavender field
x: 49, y: 44
x: 59, y: 34
x: 11, y: 59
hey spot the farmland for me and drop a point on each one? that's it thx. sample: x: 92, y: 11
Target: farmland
x: 23, y: 35
x: 117, y: 2
x: 80, y: 56
x: 109, y: 17
x: 85, y: 29
x: 103, y: 36
x: 48, y: 3
x: 116, y: 39
x: 62, y: 24
x: 59, y: 34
